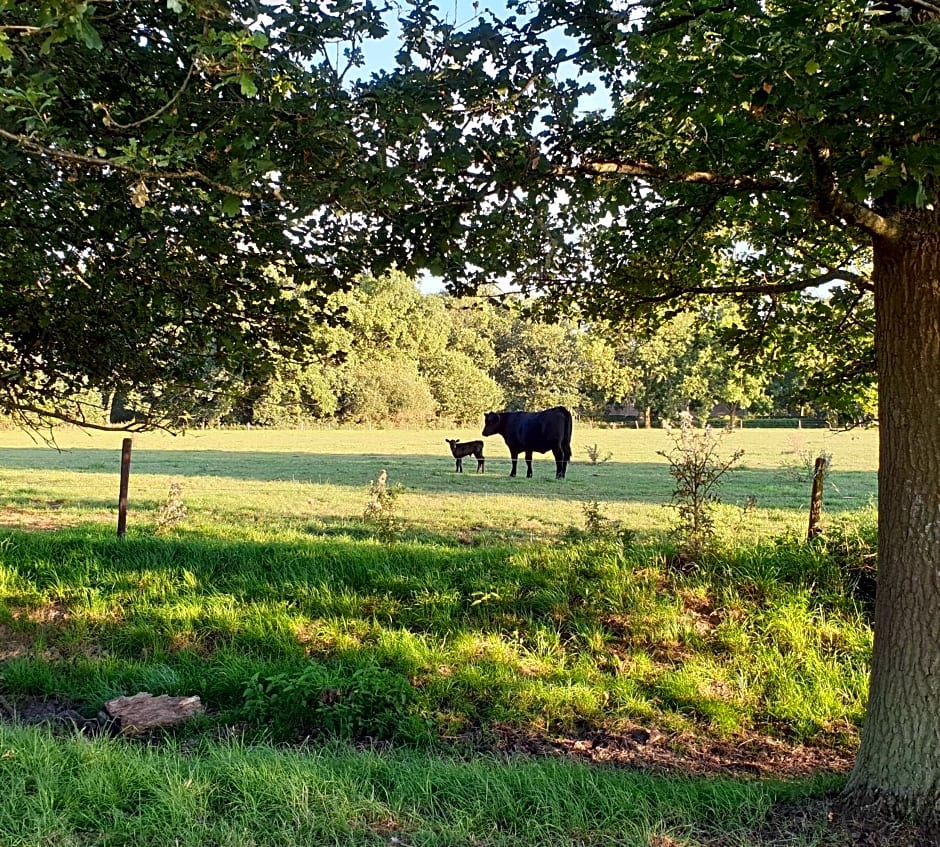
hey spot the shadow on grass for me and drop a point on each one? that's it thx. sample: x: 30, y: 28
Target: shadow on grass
x: 486, y: 636
x: 640, y: 482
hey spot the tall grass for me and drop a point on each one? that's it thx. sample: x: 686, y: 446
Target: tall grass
x: 79, y: 793
x: 543, y: 638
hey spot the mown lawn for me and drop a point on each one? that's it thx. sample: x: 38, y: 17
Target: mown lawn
x: 489, y: 661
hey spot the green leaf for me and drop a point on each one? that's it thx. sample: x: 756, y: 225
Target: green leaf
x: 231, y: 205
x: 812, y: 67
x: 247, y: 85
x: 175, y: 6
x: 90, y: 37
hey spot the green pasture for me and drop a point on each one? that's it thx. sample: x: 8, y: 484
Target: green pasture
x: 256, y: 480
x: 364, y: 682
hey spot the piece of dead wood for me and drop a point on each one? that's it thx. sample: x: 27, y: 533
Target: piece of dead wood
x: 143, y: 712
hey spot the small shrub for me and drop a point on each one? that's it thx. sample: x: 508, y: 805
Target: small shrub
x: 173, y: 511
x: 363, y: 702
x: 594, y: 454
x: 380, y: 509
x: 597, y: 525
x: 600, y: 527
x: 696, y: 464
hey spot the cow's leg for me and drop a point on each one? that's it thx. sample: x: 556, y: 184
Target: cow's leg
x: 459, y: 465
x: 528, y: 463
x: 515, y: 457
x: 560, y: 462
x: 480, y: 462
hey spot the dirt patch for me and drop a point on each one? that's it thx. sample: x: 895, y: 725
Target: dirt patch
x: 639, y: 748
x: 61, y: 716
x: 651, y: 750
x: 19, y: 645
x: 37, y: 516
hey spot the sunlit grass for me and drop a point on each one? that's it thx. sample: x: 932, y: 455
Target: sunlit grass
x: 246, y: 482
x: 492, y: 610
x: 535, y: 637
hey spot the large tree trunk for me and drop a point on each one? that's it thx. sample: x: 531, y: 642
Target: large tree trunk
x: 898, y: 765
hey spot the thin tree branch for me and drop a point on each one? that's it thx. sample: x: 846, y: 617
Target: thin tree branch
x: 930, y: 7
x: 110, y: 122
x: 93, y: 161
x: 24, y: 409
x: 653, y: 173
x: 677, y: 292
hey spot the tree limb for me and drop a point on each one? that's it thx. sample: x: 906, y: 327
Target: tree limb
x: 677, y: 292
x: 32, y: 146
x: 833, y: 205
x: 24, y: 409
x: 664, y: 175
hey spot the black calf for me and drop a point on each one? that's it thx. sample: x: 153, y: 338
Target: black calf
x: 468, y: 448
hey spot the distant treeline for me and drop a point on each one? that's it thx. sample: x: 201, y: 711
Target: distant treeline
x: 397, y: 356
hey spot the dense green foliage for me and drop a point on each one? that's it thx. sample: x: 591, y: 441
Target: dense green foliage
x: 206, y: 179
x: 185, y: 183
x: 402, y: 357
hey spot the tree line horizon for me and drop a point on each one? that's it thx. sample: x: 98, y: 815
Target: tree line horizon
x: 395, y: 355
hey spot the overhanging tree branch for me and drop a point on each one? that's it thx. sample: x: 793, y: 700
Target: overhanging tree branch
x: 833, y: 205
x: 36, y: 148
x: 653, y: 173
x: 679, y: 292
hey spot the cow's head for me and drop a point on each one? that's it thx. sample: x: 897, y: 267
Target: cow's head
x: 452, y: 441
x: 492, y: 422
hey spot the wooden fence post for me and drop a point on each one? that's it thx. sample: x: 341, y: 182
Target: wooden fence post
x: 125, y: 479
x: 816, y: 498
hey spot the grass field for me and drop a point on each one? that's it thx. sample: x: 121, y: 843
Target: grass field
x: 486, y: 665
x: 300, y: 478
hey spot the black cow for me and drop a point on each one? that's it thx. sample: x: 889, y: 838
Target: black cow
x: 534, y: 432
x: 468, y: 448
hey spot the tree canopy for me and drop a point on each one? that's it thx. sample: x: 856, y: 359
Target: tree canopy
x: 149, y: 235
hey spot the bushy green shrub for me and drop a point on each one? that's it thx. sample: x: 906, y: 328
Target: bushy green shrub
x: 697, y: 465
x: 367, y: 701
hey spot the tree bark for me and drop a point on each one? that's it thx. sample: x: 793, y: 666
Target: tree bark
x: 898, y: 764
